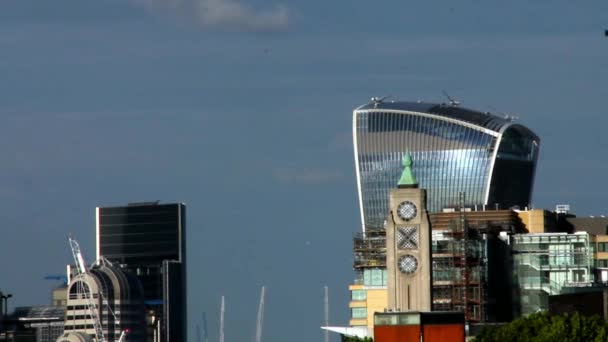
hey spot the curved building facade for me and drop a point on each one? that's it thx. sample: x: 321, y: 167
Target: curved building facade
x: 118, y: 297
x: 491, y: 160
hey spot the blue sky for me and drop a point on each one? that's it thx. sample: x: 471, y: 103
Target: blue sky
x: 242, y: 110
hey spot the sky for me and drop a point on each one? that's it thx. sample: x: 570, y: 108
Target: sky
x: 243, y: 110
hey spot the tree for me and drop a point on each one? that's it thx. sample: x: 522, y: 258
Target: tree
x: 543, y: 327
x: 357, y: 339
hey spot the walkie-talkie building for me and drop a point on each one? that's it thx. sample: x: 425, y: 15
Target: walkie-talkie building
x: 491, y: 160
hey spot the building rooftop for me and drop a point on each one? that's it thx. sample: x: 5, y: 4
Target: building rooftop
x: 35, y: 313
x: 482, y: 119
x: 591, y: 225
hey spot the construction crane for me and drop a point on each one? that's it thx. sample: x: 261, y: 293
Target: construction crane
x: 260, y: 322
x: 82, y: 269
x: 61, y: 277
x: 205, y: 333
x: 123, y: 335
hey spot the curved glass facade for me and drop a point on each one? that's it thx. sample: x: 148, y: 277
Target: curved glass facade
x: 452, y: 153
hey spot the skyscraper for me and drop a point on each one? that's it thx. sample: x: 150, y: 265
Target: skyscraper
x: 149, y: 240
x: 492, y: 160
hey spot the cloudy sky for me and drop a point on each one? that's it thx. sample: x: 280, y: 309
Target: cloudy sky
x: 242, y: 110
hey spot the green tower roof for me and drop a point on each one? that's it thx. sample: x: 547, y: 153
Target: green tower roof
x: 407, y: 180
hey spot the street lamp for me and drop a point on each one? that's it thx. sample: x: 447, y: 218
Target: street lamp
x: 4, y: 312
x: 5, y: 297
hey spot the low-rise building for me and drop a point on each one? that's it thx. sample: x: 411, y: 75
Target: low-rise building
x: 545, y: 263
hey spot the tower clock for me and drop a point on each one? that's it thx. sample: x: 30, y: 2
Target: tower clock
x: 408, y: 239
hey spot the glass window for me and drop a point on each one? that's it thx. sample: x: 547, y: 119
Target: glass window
x: 385, y: 320
x: 358, y: 295
x: 357, y: 313
x: 409, y: 319
x: 375, y: 277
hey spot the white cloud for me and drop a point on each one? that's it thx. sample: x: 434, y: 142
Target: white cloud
x: 229, y: 14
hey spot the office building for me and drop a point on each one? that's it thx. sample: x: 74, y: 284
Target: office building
x: 547, y: 263
x: 74, y: 336
x: 110, y: 296
x: 475, y: 168
x: 566, y: 263
x: 483, y: 273
x: 33, y: 324
x: 149, y: 240
x: 490, y: 159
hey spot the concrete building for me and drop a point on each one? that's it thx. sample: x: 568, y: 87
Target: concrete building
x: 59, y: 295
x: 365, y: 301
x: 597, y: 227
x: 34, y: 324
x: 75, y: 337
x: 149, y: 240
x: 117, y: 301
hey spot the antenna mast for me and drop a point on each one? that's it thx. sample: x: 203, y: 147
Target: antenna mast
x: 326, y: 302
x: 258, y: 331
x: 205, y: 333
x: 222, y: 310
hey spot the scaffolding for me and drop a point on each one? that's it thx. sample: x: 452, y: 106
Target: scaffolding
x: 459, y: 269
x: 460, y: 262
x: 369, y: 249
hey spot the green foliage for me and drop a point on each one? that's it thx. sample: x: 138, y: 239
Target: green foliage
x: 542, y: 327
x: 356, y: 339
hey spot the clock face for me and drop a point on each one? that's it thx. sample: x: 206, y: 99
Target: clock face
x: 407, y: 238
x: 408, y: 264
x: 407, y: 210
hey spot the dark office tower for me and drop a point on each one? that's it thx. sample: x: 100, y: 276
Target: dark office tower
x: 149, y: 240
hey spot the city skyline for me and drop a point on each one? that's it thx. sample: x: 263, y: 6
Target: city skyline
x: 114, y: 102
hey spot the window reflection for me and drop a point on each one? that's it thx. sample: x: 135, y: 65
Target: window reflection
x: 449, y: 158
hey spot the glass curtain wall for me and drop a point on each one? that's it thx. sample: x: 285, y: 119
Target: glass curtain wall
x: 545, y: 263
x: 448, y: 158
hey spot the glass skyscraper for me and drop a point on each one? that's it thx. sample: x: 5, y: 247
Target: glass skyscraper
x: 491, y: 160
x: 148, y: 239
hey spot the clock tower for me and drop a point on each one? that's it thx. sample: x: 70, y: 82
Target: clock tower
x: 408, y: 245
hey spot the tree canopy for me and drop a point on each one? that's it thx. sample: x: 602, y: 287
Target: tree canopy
x: 543, y: 327
x: 357, y: 339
